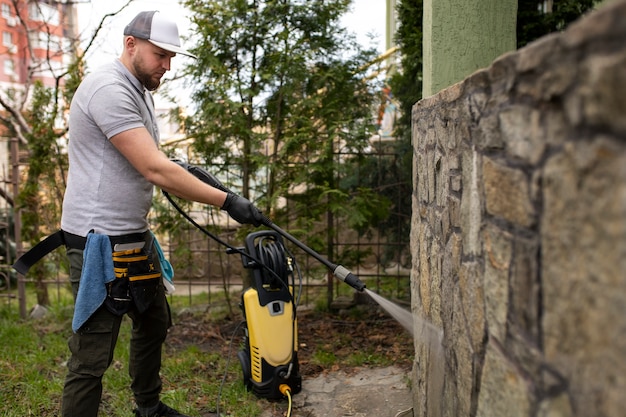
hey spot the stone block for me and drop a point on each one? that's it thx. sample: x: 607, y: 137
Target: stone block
x: 522, y: 133
x: 601, y: 106
x: 583, y: 244
x: 503, y: 390
x: 525, y: 299
x: 473, y: 303
x: 507, y: 193
x: 498, y: 255
x: 598, y: 27
x: 488, y: 135
x: 559, y: 406
x: 471, y: 203
x: 460, y: 362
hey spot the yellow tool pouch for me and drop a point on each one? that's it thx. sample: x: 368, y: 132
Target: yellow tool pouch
x: 138, y: 278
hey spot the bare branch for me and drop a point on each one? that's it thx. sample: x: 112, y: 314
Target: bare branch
x: 28, y: 80
x: 101, y: 25
x: 18, y: 122
x: 14, y: 107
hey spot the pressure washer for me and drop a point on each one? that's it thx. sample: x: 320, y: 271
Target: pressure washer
x: 269, y: 357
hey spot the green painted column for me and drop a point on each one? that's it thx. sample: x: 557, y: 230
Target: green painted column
x: 462, y: 36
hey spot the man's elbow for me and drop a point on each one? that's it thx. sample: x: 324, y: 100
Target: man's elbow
x: 155, y: 177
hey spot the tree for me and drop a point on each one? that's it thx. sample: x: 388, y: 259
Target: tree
x: 282, y: 89
x: 406, y: 86
x: 394, y: 169
x: 538, y: 18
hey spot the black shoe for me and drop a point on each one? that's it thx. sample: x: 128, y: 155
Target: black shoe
x: 162, y: 411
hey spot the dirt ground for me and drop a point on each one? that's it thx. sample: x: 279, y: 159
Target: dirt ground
x: 359, y: 358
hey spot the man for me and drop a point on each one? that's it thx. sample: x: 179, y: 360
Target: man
x: 114, y: 165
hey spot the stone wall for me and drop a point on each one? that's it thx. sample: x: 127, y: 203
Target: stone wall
x: 519, y: 232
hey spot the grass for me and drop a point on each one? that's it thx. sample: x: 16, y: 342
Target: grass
x: 33, y: 355
x: 33, y: 366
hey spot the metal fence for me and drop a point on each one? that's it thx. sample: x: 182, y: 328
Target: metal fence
x: 205, y: 271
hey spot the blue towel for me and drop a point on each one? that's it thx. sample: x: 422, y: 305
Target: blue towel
x: 97, y: 272
x: 166, y: 267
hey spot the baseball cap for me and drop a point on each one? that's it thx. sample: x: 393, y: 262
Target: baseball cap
x: 158, y: 30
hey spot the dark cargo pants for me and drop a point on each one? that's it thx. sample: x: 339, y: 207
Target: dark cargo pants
x: 92, y: 352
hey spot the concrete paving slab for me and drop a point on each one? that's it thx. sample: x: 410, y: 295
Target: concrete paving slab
x: 369, y: 392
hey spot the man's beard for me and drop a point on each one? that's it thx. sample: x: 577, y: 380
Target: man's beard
x: 146, y: 79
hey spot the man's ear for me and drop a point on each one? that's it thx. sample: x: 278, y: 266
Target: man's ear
x: 130, y: 43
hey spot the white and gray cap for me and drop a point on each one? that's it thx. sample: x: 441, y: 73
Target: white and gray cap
x: 158, y: 30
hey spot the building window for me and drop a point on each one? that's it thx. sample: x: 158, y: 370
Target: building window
x: 41, y: 12
x: 7, y: 39
x: 546, y: 7
x: 55, y: 44
x: 9, y: 67
x: 52, y: 43
x: 33, y: 38
x: 6, y: 10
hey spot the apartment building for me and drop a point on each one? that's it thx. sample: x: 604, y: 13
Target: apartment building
x: 38, y: 38
x: 38, y: 41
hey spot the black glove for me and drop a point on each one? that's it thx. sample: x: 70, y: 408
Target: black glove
x: 242, y: 210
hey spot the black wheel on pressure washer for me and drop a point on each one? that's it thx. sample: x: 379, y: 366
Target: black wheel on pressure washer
x: 244, y: 359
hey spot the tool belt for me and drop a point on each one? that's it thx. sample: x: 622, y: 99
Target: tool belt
x: 136, y: 267
x: 137, y: 278
x: 70, y: 240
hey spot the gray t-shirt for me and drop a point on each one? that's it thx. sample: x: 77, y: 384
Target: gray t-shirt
x: 104, y: 192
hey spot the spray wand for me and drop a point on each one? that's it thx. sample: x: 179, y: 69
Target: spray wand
x: 339, y: 271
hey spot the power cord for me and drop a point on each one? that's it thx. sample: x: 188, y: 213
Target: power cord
x: 286, y: 391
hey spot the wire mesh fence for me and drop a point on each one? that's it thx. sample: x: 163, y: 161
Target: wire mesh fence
x: 206, y: 269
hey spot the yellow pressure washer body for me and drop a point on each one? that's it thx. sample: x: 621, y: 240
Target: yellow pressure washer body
x: 269, y: 357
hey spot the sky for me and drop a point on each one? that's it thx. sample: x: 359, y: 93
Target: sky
x: 367, y: 17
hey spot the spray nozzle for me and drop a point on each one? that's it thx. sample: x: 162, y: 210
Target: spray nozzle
x: 349, y: 278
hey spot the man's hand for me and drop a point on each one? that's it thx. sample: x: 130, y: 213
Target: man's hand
x: 242, y: 210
